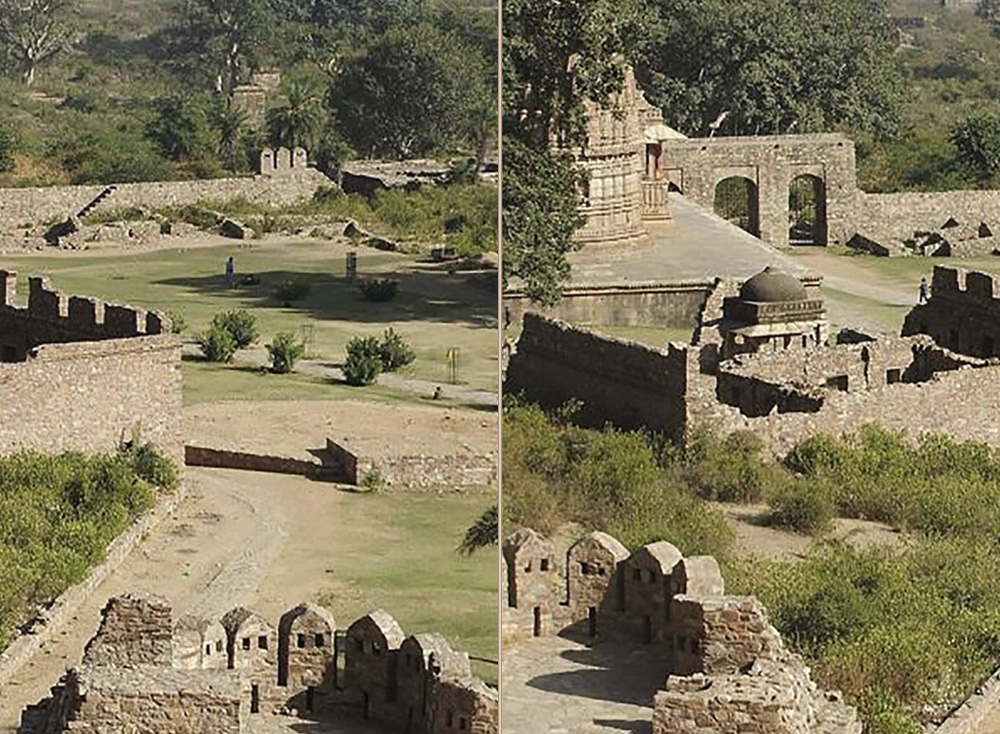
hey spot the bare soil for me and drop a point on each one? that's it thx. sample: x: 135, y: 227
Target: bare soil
x: 292, y: 427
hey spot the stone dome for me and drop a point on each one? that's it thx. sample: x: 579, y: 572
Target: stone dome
x: 773, y: 286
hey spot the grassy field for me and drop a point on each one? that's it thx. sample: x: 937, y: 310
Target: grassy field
x: 407, y: 564
x: 434, y: 311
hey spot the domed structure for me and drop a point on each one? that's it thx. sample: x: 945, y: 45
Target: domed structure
x: 773, y: 286
x: 773, y: 312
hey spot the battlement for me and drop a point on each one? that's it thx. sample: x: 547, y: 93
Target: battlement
x: 52, y: 316
x: 948, y: 281
x: 282, y: 161
x: 139, y: 669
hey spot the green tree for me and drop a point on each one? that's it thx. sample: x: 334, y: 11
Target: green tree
x: 180, y: 127
x: 556, y: 58
x: 234, y: 34
x: 410, y: 92
x: 978, y: 142
x: 33, y: 31
x: 297, y: 122
x: 483, y: 533
x: 229, y: 123
x: 540, y: 197
x: 753, y: 67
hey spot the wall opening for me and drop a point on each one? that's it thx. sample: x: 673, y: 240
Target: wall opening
x: 592, y: 621
x: 647, y: 629
x: 254, y: 699
x: 365, y: 707
x: 893, y: 376
x: 737, y: 201
x: 537, y: 631
x: 807, y: 223
x: 839, y: 382
x: 310, y: 698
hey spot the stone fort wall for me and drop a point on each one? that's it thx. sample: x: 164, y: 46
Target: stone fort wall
x: 726, y: 668
x: 26, y: 207
x: 79, y: 374
x: 898, y: 216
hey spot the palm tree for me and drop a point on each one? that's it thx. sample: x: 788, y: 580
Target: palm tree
x: 229, y: 123
x: 483, y: 533
x: 296, y: 123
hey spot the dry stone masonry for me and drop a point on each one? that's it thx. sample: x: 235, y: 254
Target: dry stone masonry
x: 792, y: 381
x: 80, y: 374
x: 142, y: 674
x: 725, y: 668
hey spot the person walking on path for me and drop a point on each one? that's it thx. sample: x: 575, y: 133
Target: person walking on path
x: 231, y: 272
x: 924, y: 293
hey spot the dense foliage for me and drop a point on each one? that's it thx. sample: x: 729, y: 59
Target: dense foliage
x: 285, y: 350
x: 905, y: 630
x: 58, y: 514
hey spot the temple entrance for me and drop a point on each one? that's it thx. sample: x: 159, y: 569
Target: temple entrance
x: 737, y: 200
x: 807, y: 211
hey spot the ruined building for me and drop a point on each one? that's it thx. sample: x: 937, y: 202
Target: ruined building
x: 142, y: 673
x: 724, y: 668
x: 80, y: 374
x: 942, y: 375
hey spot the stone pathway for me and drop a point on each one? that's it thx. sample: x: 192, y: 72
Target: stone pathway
x: 553, y: 685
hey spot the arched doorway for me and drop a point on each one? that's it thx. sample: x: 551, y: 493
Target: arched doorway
x: 807, y: 211
x: 737, y: 201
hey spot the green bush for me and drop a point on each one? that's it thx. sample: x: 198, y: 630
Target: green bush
x: 59, y: 513
x: 217, y: 344
x: 241, y: 325
x: 379, y: 290
x: 284, y: 352
x: 394, y: 352
x: 364, y: 363
x: 177, y: 322
x: 8, y: 146
x: 803, y: 505
x: 732, y: 469
x: 289, y: 291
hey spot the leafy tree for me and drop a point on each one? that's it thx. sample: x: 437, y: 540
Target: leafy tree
x: 180, y: 127
x: 33, y: 31
x: 978, y: 142
x: 234, y: 33
x: 753, y: 67
x: 217, y: 344
x: 296, y: 122
x: 540, y: 197
x: 364, y: 363
x: 557, y: 57
x: 411, y: 91
x: 240, y: 324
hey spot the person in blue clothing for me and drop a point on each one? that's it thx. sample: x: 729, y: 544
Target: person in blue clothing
x: 924, y: 293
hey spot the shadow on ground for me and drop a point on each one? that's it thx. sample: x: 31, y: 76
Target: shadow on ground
x: 422, y: 296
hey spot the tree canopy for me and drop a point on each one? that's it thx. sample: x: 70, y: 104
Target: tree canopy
x: 773, y: 66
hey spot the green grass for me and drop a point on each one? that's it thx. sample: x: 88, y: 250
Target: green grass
x: 408, y: 565
x: 889, y: 316
x: 433, y: 312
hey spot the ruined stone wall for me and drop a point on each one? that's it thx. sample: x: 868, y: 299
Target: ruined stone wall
x: 898, y: 216
x: 963, y: 313
x: 423, y: 471
x: 771, y: 162
x: 110, y: 371
x: 630, y: 384
x: 133, y: 631
x: 23, y: 208
x: 464, y: 705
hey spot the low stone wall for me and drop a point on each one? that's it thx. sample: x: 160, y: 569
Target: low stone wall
x: 19, y: 652
x: 456, y: 470
x: 223, y: 459
x: 26, y: 207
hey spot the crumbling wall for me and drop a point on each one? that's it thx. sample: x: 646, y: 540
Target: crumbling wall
x: 898, y: 216
x: 22, y: 208
x: 627, y: 383
x: 133, y: 631
x: 962, y: 314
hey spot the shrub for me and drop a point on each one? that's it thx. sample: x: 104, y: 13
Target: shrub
x: 241, y: 325
x: 284, y: 352
x: 290, y: 291
x: 363, y: 364
x: 153, y: 467
x: 217, y: 344
x: 373, y: 480
x: 177, y: 322
x: 8, y: 145
x: 394, y: 352
x: 803, y: 505
x: 378, y: 290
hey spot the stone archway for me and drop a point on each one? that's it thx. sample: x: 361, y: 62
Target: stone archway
x: 807, y: 220
x: 737, y: 200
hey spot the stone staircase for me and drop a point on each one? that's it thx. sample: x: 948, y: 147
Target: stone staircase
x: 97, y: 200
